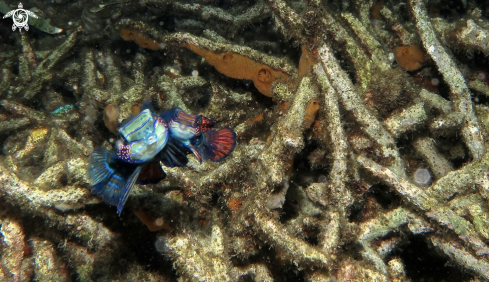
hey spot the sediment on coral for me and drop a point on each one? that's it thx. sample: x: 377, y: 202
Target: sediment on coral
x: 362, y: 138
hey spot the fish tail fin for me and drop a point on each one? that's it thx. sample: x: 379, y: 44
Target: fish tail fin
x: 110, y: 179
x: 215, y: 145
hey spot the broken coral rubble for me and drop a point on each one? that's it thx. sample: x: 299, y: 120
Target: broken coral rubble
x: 362, y: 132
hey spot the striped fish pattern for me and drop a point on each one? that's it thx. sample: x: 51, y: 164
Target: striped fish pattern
x: 148, y: 140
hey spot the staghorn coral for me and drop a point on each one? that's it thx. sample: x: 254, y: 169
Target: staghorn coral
x: 324, y: 183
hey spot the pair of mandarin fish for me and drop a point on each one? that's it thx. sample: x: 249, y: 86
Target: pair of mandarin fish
x: 146, y: 139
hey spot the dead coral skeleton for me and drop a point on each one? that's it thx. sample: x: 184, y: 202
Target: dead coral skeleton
x: 224, y: 221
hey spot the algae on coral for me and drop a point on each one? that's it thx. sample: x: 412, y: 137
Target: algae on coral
x: 331, y: 132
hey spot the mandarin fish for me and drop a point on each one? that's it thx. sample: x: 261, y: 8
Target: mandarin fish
x: 194, y: 133
x: 146, y: 139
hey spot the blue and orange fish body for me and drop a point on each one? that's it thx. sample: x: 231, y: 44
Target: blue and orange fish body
x: 143, y: 137
x: 195, y: 133
x: 148, y: 138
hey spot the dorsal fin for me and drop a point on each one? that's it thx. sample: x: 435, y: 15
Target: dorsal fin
x: 170, y: 114
x: 147, y: 105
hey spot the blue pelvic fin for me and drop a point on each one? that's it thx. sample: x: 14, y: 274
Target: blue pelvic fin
x: 152, y: 173
x: 126, y: 189
x: 98, y: 169
x: 173, y: 155
x: 214, y: 145
x: 197, y: 151
x: 111, y: 179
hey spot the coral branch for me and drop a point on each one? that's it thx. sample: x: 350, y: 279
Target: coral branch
x: 450, y: 248
x: 292, y: 248
x: 302, y: 196
x: 408, y: 119
x: 338, y: 175
x: 438, y: 163
x: 352, y: 102
x: 13, y: 244
x: 42, y: 72
x: 435, y: 101
x: 460, y: 92
x: 200, y: 256
x: 428, y: 205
